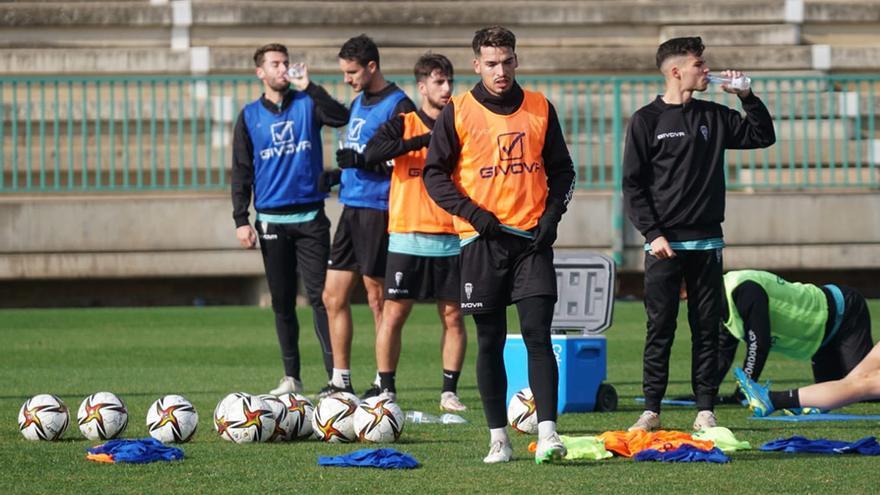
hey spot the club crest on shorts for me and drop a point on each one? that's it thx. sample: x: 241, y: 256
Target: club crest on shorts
x: 398, y: 277
x: 704, y: 130
x: 266, y: 235
x: 468, y: 290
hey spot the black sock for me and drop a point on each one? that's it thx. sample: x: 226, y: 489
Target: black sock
x: 788, y: 399
x: 386, y: 381
x: 450, y: 381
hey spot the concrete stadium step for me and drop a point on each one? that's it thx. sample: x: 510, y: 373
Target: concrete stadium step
x: 440, y: 13
x: 715, y: 35
x: 125, y: 13
x: 545, y: 60
x: 425, y: 37
x: 850, y: 11
x: 481, y: 13
x: 807, y: 178
x: 85, y: 36
x: 539, y: 59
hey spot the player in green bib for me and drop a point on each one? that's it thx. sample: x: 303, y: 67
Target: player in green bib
x: 828, y: 325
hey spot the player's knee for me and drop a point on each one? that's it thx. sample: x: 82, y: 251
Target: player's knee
x: 333, y: 300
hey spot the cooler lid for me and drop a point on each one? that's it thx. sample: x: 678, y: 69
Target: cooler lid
x: 585, y: 285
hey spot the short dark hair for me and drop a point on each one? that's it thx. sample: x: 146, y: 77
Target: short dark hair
x: 495, y: 36
x: 428, y: 63
x: 260, y: 54
x: 692, y: 45
x: 362, y: 49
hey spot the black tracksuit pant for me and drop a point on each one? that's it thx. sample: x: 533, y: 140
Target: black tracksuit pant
x: 702, y: 274
x: 288, y: 249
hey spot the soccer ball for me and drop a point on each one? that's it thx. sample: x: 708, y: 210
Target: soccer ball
x: 172, y: 419
x: 219, y: 419
x: 282, y: 420
x: 521, y: 412
x: 346, y: 396
x: 333, y: 420
x: 299, y: 413
x: 244, y: 419
x: 102, y: 416
x: 43, y: 417
x: 378, y: 420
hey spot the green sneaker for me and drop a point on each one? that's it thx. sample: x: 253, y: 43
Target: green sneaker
x: 758, y: 396
x: 550, y: 450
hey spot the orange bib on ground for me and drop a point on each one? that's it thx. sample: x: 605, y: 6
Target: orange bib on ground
x: 410, y: 207
x: 630, y: 443
x: 500, y: 166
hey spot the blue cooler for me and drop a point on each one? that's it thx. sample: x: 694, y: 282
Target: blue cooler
x: 585, y: 284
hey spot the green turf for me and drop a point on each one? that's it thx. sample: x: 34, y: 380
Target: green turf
x: 204, y: 353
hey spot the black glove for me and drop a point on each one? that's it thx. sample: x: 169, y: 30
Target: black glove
x: 349, y: 158
x: 418, y: 142
x: 328, y: 179
x: 485, y: 223
x: 545, y: 232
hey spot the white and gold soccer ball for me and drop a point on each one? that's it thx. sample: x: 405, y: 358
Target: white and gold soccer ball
x: 279, y: 412
x: 378, y: 420
x: 521, y: 413
x: 244, y: 419
x: 333, y: 421
x: 102, y: 416
x: 172, y: 419
x: 300, y: 412
x: 220, y: 410
x: 43, y: 417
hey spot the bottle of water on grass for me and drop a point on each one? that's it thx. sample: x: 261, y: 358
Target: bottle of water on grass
x: 419, y: 417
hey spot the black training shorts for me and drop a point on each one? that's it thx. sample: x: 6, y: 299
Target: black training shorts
x: 361, y: 242
x: 500, y: 271
x: 409, y: 276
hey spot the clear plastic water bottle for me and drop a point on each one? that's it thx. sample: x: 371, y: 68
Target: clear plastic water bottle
x: 295, y: 72
x: 452, y: 419
x: 419, y: 417
x: 741, y: 83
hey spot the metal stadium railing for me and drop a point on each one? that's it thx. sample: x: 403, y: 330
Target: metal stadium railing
x: 147, y: 133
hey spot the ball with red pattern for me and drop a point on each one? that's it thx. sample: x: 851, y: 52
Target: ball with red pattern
x: 43, y: 417
x: 102, y: 416
x: 244, y: 419
x: 333, y: 421
x: 521, y: 413
x: 300, y: 412
x: 172, y: 419
x: 378, y: 420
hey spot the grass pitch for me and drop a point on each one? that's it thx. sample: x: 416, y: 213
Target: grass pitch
x: 204, y: 353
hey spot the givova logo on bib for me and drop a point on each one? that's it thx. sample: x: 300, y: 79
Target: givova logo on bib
x: 511, y: 154
x: 284, y: 141
x: 354, y: 129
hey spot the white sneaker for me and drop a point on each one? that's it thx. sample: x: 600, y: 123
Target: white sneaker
x: 705, y: 420
x: 498, y: 452
x: 648, y: 421
x: 288, y: 385
x: 450, y: 402
x: 550, y: 449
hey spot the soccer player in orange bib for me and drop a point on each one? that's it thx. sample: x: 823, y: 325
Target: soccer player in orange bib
x: 422, y: 246
x: 499, y: 163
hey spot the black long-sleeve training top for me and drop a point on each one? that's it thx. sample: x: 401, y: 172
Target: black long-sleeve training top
x: 673, y: 164
x: 328, y: 112
x: 444, y: 150
x: 388, y: 143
